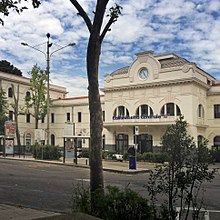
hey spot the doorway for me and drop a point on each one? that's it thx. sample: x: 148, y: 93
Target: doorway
x: 121, y: 143
x: 145, y: 143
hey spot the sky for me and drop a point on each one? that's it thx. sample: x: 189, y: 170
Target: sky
x: 191, y: 29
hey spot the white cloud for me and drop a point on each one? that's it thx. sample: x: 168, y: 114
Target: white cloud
x: 173, y: 9
x: 214, y: 5
x: 188, y: 28
x: 75, y: 85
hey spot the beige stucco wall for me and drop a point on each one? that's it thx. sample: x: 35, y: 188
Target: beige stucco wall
x: 170, y: 79
x: 24, y: 85
x: 185, y: 85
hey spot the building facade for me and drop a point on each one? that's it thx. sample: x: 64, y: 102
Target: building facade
x: 22, y: 90
x: 151, y: 94
x: 138, y: 104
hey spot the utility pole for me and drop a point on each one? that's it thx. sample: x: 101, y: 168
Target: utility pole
x: 48, y: 56
x: 48, y: 88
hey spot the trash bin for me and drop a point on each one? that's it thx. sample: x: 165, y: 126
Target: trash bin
x: 132, y: 162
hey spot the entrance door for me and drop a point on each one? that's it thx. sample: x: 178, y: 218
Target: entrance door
x: 121, y: 143
x: 145, y: 143
x: 28, y: 143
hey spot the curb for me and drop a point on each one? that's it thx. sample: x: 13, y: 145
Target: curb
x: 131, y: 172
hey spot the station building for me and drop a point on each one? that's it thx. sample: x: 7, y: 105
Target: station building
x: 138, y: 104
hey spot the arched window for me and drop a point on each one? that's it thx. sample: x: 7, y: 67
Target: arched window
x: 216, y: 141
x: 52, y: 139
x: 28, y: 94
x: 170, y: 109
x: 10, y: 92
x: 144, y: 110
x: 200, y: 111
x: 121, y: 111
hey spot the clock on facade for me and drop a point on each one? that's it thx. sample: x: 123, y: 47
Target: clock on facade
x: 143, y: 73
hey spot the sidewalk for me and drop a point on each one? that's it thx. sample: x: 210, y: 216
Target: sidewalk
x: 108, y: 165
x: 12, y: 212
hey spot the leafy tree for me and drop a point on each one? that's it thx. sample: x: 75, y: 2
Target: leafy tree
x: 36, y: 103
x: 7, y: 67
x: 17, y: 111
x: 7, y: 5
x: 3, y: 110
x: 97, y: 35
x: 181, y: 179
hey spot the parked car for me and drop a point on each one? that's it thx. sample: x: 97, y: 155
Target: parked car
x: 118, y: 157
x: 79, y: 152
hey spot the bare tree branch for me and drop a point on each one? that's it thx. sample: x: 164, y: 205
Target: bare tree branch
x: 114, y: 13
x: 83, y: 14
x: 107, y: 28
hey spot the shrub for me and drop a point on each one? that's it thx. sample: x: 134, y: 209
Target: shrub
x: 216, y: 155
x: 81, y: 199
x: 115, y: 204
x: 159, y: 157
x: 85, y: 152
x: 140, y: 157
x: 47, y: 152
x: 125, y: 156
x: 150, y: 157
x: 108, y: 155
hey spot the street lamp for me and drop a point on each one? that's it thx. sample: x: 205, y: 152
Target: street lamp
x: 48, y: 56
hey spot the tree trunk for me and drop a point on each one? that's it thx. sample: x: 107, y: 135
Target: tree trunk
x: 16, y: 113
x: 96, y: 124
x: 17, y: 131
x: 36, y: 123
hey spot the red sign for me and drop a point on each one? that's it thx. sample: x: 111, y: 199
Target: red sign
x: 10, y: 128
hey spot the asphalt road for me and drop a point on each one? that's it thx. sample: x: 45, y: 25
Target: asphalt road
x: 49, y: 187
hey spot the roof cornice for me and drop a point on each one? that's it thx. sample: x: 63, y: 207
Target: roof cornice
x: 161, y: 83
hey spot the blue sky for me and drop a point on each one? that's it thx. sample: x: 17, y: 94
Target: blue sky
x: 190, y: 29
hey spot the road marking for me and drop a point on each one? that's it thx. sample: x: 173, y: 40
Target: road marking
x: 85, y: 180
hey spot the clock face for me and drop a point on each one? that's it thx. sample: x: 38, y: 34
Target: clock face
x: 143, y: 73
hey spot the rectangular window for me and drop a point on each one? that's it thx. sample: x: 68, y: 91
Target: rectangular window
x: 52, y: 118
x: 10, y: 92
x: 79, y: 116
x: 10, y: 115
x: 209, y: 82
x: 67, y: 116
x: 42, y: 119
x: 28, y: 118
x: 79, y: 144
x: 103, y: 115
x: 217, y: 111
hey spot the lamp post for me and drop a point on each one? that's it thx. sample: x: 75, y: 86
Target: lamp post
x: 48, y: 87
x: 48, y: 56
